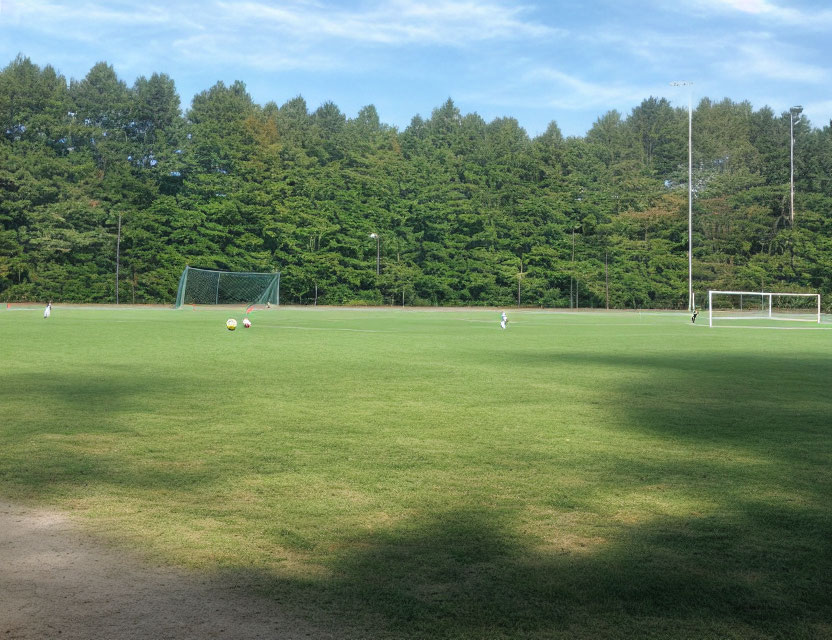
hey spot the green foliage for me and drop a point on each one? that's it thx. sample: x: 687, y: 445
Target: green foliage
x: 465, y: 209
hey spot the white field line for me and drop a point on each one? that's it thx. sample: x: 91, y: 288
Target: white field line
x: 774, y: 328
x: 566, y: 324
x: 283, y: 326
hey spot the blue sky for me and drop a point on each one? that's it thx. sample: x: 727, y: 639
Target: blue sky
x: 534, y: 60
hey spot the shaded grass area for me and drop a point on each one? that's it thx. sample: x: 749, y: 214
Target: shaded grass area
x: 427, y: 475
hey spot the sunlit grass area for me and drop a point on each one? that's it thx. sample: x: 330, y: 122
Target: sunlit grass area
x: 424, y: 474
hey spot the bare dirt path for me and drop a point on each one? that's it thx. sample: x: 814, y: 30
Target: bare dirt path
x: 58, y: 582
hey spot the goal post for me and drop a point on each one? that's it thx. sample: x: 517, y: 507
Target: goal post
x: 752, y: 305
x: 208, y: 286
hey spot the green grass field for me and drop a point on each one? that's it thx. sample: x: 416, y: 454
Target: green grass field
x: 423, y: 474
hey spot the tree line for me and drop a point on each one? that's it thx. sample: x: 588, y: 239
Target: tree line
x: 466, y: 212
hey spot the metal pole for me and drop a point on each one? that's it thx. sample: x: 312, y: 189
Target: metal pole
x: 792, y: 111
x: 690, y: 189
x: 378, y: 251
x: 607, y: 278
x: 690, y: 202
x: 118, y: 247
x: 791, y: 166
x: 519, y: 280
x: 572, y: 301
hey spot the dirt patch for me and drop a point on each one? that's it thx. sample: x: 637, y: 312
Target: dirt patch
x: 57, y: 581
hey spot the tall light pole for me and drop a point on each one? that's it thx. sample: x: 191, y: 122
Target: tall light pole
x: 690, y: 189
x: 378, y: 252
x: 572, y: 275
x: 607, y: 277
x: 794, y: 111
x: 576, y: 227
x: 118, y: 247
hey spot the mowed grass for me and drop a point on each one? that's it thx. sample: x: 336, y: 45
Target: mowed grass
x: 423, y: 474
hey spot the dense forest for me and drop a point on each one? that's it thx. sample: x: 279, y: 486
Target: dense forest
x: 466, y: 212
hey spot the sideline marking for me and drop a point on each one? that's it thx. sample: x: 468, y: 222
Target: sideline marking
x: 775, y: 328
x: 326, y: 329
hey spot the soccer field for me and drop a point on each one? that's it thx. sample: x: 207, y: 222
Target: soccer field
x: 424, y: 474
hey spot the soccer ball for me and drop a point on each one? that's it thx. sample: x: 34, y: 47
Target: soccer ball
x: 231, y: 324
x: 246, y: 323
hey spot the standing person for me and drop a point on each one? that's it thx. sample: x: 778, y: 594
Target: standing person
x: 503, y: 320
x: 695, y: 313
x: 48, y: 311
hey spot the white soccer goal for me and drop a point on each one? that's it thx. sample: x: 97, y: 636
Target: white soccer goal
x: 755, y: 305
x: 208, y: 286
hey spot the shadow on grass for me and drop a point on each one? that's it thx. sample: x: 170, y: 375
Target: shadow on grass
x: 776, y: 405
x: 70, y: 432
x: 99, y: 395
x: 755, y: 567
x: 465, y: 574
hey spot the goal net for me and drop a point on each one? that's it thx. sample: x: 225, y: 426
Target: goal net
x: 205, y: 286
x: 756, y: 305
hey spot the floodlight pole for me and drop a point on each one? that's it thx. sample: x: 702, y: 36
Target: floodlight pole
x: 378, y: 252
x: 118, y: 247
x: 690, y: 189
x: 519, y: 280
x: 572, y: 278
x: 796, y: 110
x: 607, y: 277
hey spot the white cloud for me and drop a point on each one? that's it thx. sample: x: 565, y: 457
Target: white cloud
x: 755, y: 57
x: 264, y: 54
x: 272, y: 35
x: 551, y: 88
x: 716, y: 55
x: 92, y: 15
x: 819, y: 112
x: 571, y: 92
x: 771, y: 11
x: 442, y: 22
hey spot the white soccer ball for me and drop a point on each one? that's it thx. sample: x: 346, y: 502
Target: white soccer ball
x: 231, y: 324
x: 246, y: 323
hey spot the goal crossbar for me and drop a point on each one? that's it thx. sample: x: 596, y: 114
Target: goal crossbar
x: 766, y: 306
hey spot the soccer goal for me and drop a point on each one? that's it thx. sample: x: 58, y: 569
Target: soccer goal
x: 757, y: 305
x: 206, y: 286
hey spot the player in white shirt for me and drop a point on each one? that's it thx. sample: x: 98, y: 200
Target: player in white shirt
x: 503, y: 320
x: 48, y: 311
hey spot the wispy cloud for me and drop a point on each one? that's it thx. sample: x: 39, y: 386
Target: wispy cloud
x: 568, y: 91
x: 764, y: 58
x: 771, y: 11
x: 291, y: 34
x: 547, y: 87
x: 818, y: 111
x: 261, y: 53
x: 92, y: 15
x: 92, y: 22
x: 751, y: 55
x: 400, y: 22
x: 546, y: 58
